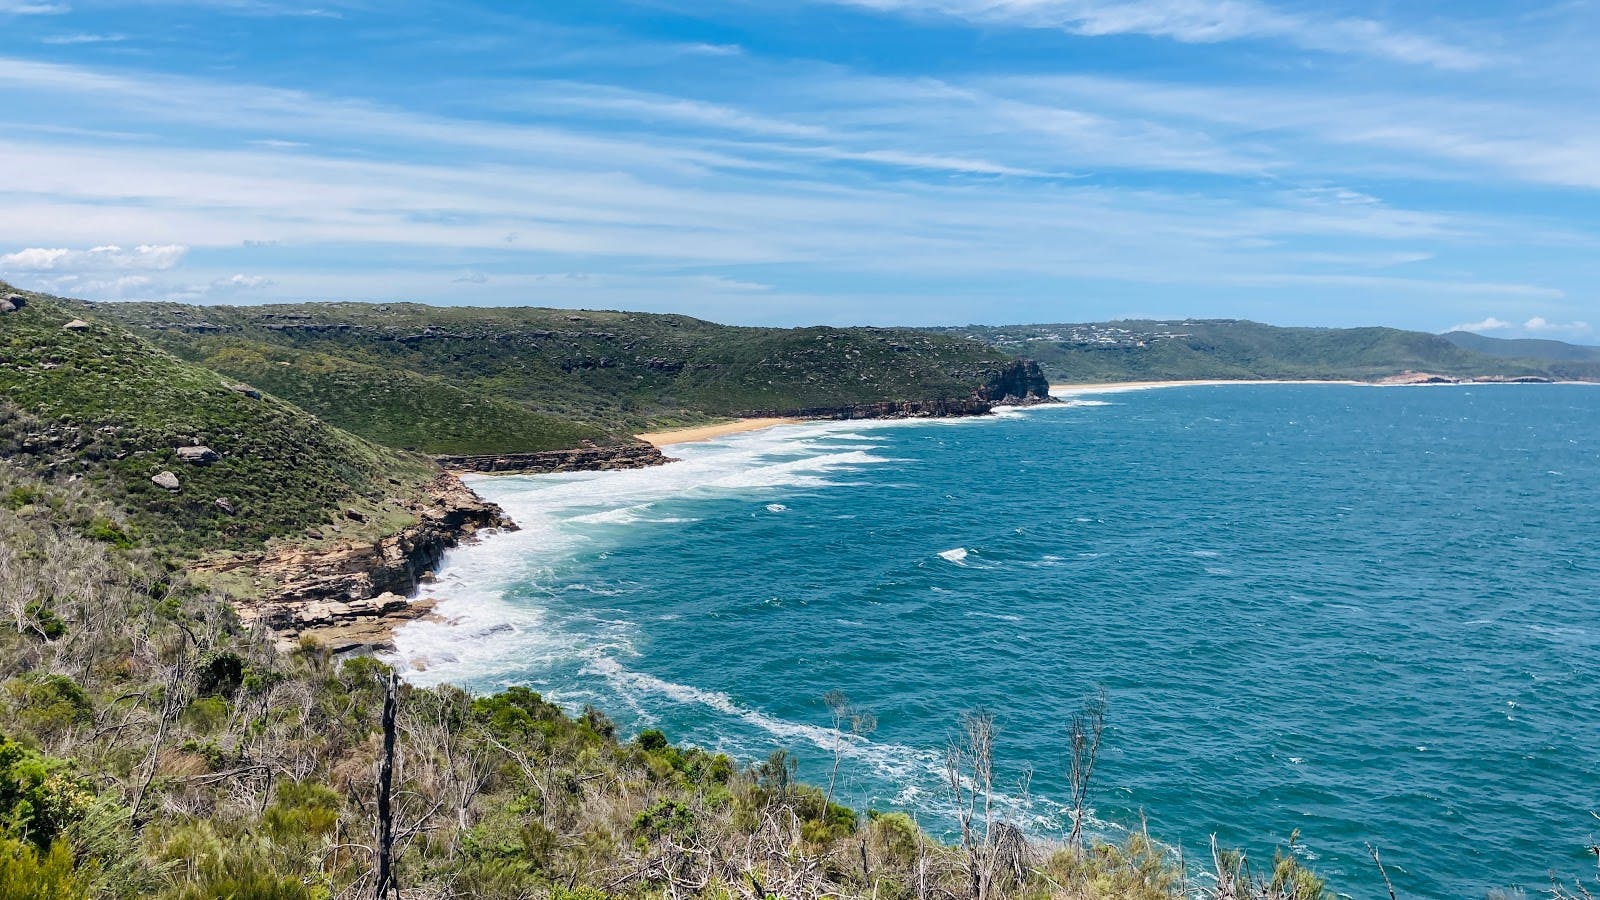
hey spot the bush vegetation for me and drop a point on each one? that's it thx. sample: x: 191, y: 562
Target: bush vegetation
x: 1183, y: 350
x: 460, y: 380
x: 104, y: 405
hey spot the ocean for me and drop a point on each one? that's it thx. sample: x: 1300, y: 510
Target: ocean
x: 1363, y: 615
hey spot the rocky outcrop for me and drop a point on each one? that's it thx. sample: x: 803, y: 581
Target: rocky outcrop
x: 12, y: 302
x: 198, y: 455
x: 1020, y: 383
x: 360, y: 587
x: 167, y: 482
x: 579, y: 459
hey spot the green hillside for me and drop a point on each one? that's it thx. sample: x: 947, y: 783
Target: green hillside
x: 1137, y: 350
x: 467, y: 380
x: 1524, y: 348
x: 99, y: 402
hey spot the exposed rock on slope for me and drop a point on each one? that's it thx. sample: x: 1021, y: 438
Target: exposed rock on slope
x: 308, y: 589
x: 581, y: 459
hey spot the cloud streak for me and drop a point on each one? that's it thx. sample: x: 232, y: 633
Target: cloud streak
x: 1191, y: 21
x: 145, y: 257
x: 732, y: 180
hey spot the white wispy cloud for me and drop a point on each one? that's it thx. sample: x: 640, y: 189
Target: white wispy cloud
x: 1489, y: 324
x: 26, y: 8
x: 153, y: 257
x: 69, y: 40
x: 1542, y: 138
x: 1542, y: 326
x: 1191, y: 21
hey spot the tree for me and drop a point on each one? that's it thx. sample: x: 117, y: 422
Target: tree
x: 859, y: 723
x: 1083, y: 734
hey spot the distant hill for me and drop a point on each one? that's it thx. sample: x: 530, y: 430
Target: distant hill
x: 1523, y: 348
x: 1188, y: 349
x: 469, y: 380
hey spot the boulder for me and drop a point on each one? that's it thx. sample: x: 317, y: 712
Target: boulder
x: 198, y: 455
x: 77, y: 325
x: 167, y: 481
x: 226, y: 505
x: 246, y: 390
x: 354, y: 515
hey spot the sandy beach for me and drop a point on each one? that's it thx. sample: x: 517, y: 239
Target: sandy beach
x: 707, y: 432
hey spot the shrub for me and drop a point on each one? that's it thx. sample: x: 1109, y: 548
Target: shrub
x: 40, y: 798
x: 43, y: 622
x: 239, y: 867
x: 302, y: 808
x: 219, y: 673
x: 206, y: 714
x: 108, y: 532
x: 652, y: 739
x: 47, y: 705
x: 516, y: 710
x: 896, y: 834
x: 665, y: 817
x: 20, y: 496
x: 28, y: 874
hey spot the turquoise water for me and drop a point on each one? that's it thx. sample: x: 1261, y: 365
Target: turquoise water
x: 1366, y: 614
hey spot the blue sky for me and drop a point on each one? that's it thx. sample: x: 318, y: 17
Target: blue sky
x: 1418, y: 164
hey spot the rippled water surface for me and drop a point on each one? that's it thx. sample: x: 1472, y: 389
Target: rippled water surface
x: 1372, y: 615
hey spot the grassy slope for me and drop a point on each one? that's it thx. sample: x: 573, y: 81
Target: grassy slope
x: 544, y: 378
x: 112, y: 407
x: 1524, y: 348
x: 1237, y: 349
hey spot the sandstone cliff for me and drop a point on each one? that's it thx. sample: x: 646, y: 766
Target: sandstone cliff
x: 351, y: 594
x: 1021, y: 382
x: 578, y: 459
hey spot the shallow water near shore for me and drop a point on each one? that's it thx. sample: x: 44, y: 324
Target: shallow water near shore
x: 1366, y: 614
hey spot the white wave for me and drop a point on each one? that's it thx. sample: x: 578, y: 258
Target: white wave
x: 999, y: 617
x: 1079, y: 404
x: 624, y: 515
x: 919, y: 773
x: 480, y: 635
x: 888, y: 760
x: 957, y: 555
x: 776, y: 508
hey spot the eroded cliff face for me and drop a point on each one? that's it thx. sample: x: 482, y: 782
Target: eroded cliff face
x: 578, y: 459
x: 1021, y: 382
x: 353, y: 593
